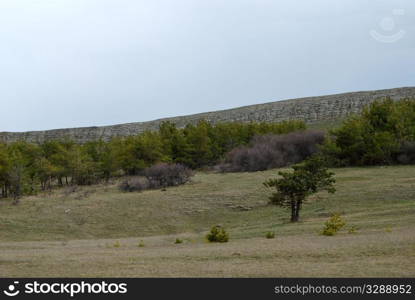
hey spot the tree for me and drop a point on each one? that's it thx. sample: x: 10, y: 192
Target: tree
x: 200, y: 144
x: 45, y: 172
x: 103, y: 158
x: 59, y: 153
x: 175, y: 145
x: 293, y: 188
x: 4, y: 167
x: 376, y: 136
x: 16, y: 170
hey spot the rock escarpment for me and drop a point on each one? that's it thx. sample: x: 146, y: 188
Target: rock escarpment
x: 311, y: 109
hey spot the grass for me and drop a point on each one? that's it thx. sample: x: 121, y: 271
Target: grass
x: 98, y: 234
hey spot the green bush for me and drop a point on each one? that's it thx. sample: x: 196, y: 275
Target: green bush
x: 178, y: 241
x: 141, y: 244
x: 333, y: 225
x: 217, y: 234
x: 270, y: 235
x: 352, y: 230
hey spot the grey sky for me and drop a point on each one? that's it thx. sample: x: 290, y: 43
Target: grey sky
x: 73, y: 63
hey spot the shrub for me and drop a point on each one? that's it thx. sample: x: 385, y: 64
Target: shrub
x: 352, y: 230
x: 134, y: 184
x: 270, y: 235
x: 83, y: 194
x: 217, y: 234
x: 158, y: 176
x: 117, y: 244
x: 141, y: 244
x: 70, y: 190
x: 178, y: 241
x: 163, y: 175
x: 273, y: 151
x: 333, y: 225
x: 406, y: 153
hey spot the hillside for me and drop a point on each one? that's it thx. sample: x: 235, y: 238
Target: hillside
x: 99, y: 231
x: 324, y: 110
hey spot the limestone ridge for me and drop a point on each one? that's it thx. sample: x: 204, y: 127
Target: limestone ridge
x: 311, y: 109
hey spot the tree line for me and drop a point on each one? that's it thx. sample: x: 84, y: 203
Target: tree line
x: 384, y: 133
x: 26, y: 168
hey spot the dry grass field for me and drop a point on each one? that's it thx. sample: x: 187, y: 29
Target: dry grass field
x: 99, y: 231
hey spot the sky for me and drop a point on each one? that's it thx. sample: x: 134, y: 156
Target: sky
x: 76, y: 63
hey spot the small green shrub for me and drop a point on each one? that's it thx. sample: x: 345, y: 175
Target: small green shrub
x: 329, y: 231
x: 270, y: 235
x: 333, y: 225
x: 217, y: 234
x: 352, y: 230
x: 178, y: 241
x: 117, y: 244
x: 141, y: 244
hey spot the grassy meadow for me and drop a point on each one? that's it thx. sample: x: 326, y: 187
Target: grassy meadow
x: 100, y: 231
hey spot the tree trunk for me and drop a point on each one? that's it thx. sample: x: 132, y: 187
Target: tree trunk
x: 16, y: 200
x: 16, y: 196
x: 49, y: 184
x: 293, y: 211
x: 295, y: 217
x: 297, y: 210
x: 32, y: 185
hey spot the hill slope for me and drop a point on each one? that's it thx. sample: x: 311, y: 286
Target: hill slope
x: 313, y: 110
x: 98, y: 233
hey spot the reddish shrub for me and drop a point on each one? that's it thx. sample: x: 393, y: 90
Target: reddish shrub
x: 272, y: 151
x: 406, y: 154
x: 163, y: 175
x: 134, y: 184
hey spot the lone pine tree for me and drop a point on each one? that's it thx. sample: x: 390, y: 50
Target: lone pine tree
x: 293, y: 188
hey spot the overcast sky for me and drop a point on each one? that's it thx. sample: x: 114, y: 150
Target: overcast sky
x: 74, y: 63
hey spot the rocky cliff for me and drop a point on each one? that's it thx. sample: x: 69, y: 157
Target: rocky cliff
x: 310, y: 109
